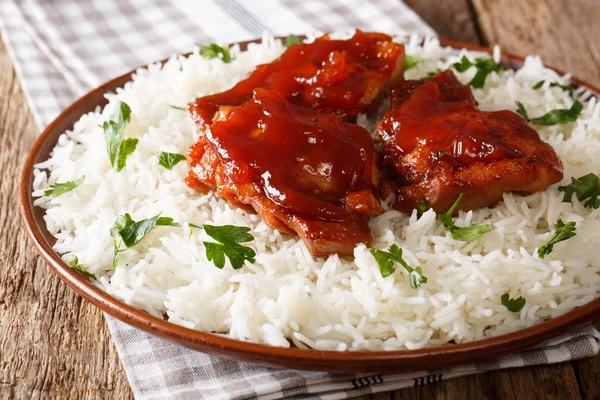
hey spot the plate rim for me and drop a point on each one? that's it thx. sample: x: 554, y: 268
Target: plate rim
x: 262, y: 354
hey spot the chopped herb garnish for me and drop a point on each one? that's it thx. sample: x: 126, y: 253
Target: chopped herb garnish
x: 129, y: 232
x: 116, y: 252
x: 117, y: 146
x: 56, y: 189
x: 558, y: 116
x: 291, y: 40
x: 411, y: 61
x: 566, y: 88
x: 132, y: 232
x: 513, y: 305
x: 466, y: 233
x: 386, y: 259
x: 216, y: 51
x: 585, y: 188
x: 563, y: 232
x: 484, y: 67
x: 229, y: 238
x: 74, y: 264
x: 423, y: 205
x: 521, y: 111
x: 169, y: 160
x: 432, y: 73
x: 177, y: 108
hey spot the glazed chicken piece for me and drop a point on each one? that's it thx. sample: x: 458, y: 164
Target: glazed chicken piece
x: 301, y: 170
x: 344, y: 77
x: 439, y: 144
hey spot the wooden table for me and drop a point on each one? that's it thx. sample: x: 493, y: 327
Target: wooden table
x: 55, y: 345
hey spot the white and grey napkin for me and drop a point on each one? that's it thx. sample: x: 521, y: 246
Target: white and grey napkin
x: 62, y: 49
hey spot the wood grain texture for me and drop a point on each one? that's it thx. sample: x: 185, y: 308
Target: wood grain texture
x: 54, y: 345
x: 454, y: 20
x: 564, y: 33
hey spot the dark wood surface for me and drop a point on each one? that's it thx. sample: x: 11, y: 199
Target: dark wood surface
x: 55, y: 345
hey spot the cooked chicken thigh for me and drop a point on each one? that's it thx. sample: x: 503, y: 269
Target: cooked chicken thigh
x: 439, y: 144
x: 301, y: 170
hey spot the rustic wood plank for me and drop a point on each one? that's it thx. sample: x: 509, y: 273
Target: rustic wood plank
x: 588, y: 374
x: 544, y: 382
x: 563, y: 32
x: 52, y: 343
x: 455, y: 20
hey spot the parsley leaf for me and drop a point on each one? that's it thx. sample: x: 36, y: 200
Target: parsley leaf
x: 117, y: 146
x: 386, y: 259
x: 216, y: 51
x: 553, y: 117
x: 116, y: 252
x: 56, y: 189
x: 484, y: 67
x: 586, y: 188
x: 466, y: 233
x: 563, y: 232
x: 411, y: 61
x: 229, y: 238
x: 291, y: 40
x: 566, y: 88
x: 522, y: 111
x: 74, y: 264
x: 385, y: 262
x: 177, y: 108
x: 130, y: 232
x: 169, y: 160
x: 432, y: 73
x: 423, y: 205
x: 513, y: 305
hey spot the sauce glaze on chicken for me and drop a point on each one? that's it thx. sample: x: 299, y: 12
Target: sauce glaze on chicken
x: 343, y: 77
x: 281, y: 143
x: 302, y: 171
x: 440, y: 145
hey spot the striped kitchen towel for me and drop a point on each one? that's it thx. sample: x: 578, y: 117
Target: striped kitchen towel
x: 62, y: 49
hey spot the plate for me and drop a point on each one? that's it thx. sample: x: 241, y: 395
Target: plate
x: 316, y: 360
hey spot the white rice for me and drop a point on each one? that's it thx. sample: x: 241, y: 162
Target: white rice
x: 289, y: 297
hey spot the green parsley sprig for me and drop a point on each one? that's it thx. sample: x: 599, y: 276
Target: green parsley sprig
x: 169, y: 160
x: 566, y: 88
x: 563, y: 232
x: 553, y: 117
x: 128, y: 232
x: 74, y: 264
x: 513, y: 305
x: 585, y: 188
x: 411, y: 61
x: 386, y: 259
x: 56, y: 189
x: 215, y: 51
x: 291, y: 40
x: 431, y: 74
x: 484, y: 66
x: 117, y: 146
x: 228, y: 245
x: 466, y: 233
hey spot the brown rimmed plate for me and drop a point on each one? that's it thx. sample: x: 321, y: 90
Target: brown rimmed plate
x: 360, y: 361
